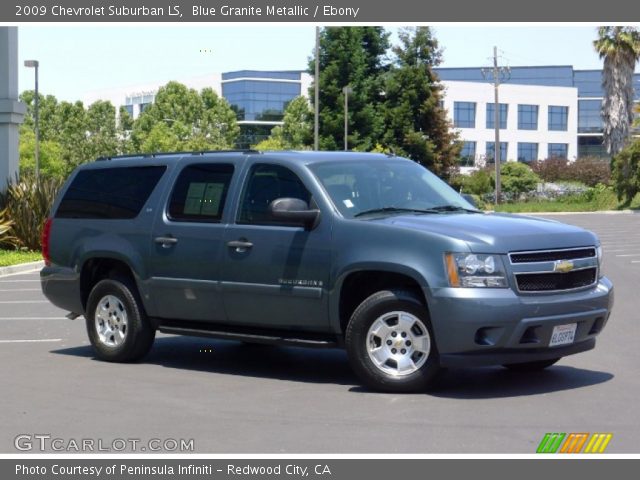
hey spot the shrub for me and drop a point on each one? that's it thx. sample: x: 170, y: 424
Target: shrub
x: 477, y: 183
x: 590, y: 170
x: 5, y: 227
x: 551, y: 169
x: 27, y: 204
x: 626, y: 172
x: 517, y: 178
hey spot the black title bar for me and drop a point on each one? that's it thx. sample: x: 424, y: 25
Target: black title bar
x: 314, y: 11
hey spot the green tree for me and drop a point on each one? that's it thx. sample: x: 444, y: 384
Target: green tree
x: 517, y: 178
x: 620, y: 49
x: 416, y: 124
x: 199, y: 121
x: 626, y: 172
x: 101, y: 130
x: 354, y: 57
x: 51, y: 162
x: 296, y: 132
x: 123, y: 132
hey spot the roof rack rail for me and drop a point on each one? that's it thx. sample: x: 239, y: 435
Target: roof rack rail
x: 166, y: 154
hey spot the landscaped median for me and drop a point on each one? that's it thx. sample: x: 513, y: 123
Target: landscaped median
x: 15, y: 257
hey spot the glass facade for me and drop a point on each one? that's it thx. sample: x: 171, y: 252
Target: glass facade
x: 504, y: 110
x: 490, y: 155
x: 589, y: 116
x: 527, y: 117
x: 527, y: 152
x: 468, y: 154
x: 591, y: 147
x: 276, y: 75
x: 261, y: 100
x: 464, y: 114
x: 558, y: 150
x: 558, y: 118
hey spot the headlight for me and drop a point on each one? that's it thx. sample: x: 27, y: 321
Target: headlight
x: 600, y: 258
x: 475, y: 270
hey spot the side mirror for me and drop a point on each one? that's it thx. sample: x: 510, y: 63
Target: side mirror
x: 469, y: 198
x: 294, y: 210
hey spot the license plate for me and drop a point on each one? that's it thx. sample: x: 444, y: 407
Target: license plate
x: 563, y: 334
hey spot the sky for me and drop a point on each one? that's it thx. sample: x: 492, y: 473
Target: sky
x: 75, y: 60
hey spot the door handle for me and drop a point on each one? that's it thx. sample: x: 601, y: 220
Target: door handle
x: 166, y: 242
x: 241, y: 246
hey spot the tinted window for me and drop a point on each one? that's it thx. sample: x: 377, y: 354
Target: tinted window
x: 265, y: 184
x: 109, y: 193
x: 200, y: 193
x: 464, y: 114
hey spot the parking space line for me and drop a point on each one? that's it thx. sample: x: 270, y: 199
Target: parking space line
x: 20, y: 281
x: 32, y: 318
x: 43, y: 340
x: 629, y: 255
x: 21, y: 290
x: 23, y: 301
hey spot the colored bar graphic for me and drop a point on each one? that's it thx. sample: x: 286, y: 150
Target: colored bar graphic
x: 550, y: 442
x: 574, y: 443
x: 598, y: 443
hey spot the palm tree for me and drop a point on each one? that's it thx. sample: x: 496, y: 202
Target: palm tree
x: 620, y: 49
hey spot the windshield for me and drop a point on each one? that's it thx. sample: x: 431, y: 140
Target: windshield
x: 385, y: 186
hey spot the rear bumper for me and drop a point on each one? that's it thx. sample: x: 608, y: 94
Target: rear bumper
x: 496, y: 326
x: 61, y: 286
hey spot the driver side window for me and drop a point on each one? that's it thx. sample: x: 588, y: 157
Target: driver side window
x: 264, y: 184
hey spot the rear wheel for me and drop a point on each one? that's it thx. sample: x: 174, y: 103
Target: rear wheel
x: 390, y: 343
x: 117, y: 326
x: 531, y: 366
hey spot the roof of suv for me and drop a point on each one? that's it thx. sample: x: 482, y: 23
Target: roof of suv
x: 306, y: 155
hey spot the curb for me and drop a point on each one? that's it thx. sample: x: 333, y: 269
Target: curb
x: 20, y: 268
x: 603, y: 212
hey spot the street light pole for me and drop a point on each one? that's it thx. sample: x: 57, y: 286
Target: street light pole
x: 346, y: 91
x: 34, y: 64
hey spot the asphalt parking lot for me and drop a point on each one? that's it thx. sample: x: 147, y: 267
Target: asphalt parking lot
x: 234, y: 398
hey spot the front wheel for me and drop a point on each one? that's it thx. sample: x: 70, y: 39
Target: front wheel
x: 118, y: 328
x: 390, y: 343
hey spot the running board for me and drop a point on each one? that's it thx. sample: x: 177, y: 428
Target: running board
x: 271, y: 339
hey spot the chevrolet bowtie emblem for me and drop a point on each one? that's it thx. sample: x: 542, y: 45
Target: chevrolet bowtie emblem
x: 563, y: 266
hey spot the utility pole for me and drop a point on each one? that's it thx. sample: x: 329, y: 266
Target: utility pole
x: 498, y: 75
x: 316, y: 101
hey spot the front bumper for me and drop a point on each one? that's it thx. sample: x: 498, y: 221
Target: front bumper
x: 475, y: 327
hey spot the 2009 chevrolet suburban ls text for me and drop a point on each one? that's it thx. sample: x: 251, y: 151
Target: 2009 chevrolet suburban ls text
x: 368, y: 252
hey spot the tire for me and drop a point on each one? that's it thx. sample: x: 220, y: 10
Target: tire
x: 531, y: 366
x: 122, y: 332
x: 390, y: 343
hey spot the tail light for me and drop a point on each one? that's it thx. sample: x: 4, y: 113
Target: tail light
x: 46, y: 234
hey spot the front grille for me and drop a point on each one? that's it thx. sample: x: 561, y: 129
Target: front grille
x: 544, y: 282
x: 552, y: 255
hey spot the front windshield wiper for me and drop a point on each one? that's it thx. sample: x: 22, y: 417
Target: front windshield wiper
x: 394, y: 210
x: 454, y: 208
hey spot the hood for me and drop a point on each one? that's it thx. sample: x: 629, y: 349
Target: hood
x: 496, y: 232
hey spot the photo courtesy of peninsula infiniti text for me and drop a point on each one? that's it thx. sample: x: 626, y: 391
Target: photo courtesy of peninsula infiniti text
x: 367, y: 252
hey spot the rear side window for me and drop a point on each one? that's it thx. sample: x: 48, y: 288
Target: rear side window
x: 200, y: 193
x: 109, y: 193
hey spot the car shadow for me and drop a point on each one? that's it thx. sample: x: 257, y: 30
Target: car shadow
x: 330, y: 366
x: 306, y: 365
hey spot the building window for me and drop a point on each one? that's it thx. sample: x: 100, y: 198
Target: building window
x: 527, y: 152
x: 558, y: 150
x: 464, y: 114
x: 490, y: 155
x: 504, y: 109
x: 468, y: 154
x: 527, y: 117
x: 591, y: 147
x: 129, y: 109
x: 589, y: 116
x: 558, y: 117
x: 144, y: 106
